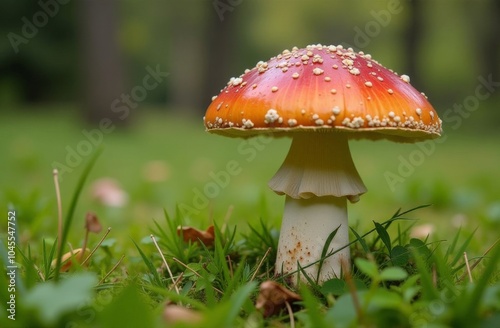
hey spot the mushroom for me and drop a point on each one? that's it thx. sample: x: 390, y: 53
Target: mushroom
x: 321, y: 96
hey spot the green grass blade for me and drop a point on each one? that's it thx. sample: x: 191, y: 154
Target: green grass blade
x: 173, y: 296
x: 454, y: 242
x: 220, y: 255
x: 399, y: 215
x: 361, y: 241
x: 235, y: 280
x: 429, y: 292
x: 237, y: 300
x: 312, y: 305
x: 324, y: 251
x: 47, y: 260
x: 460, y: 251
x: 210, y: 299
x: 151, y: 267
x: 471, y: 301
x: 382, y: 232
x: 69, y: 216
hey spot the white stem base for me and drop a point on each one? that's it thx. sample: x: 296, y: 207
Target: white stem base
x: 307, y: 223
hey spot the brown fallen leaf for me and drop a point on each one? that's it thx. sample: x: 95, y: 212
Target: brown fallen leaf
x: 68, y: 258
x: 173, y: 314
x: 194, y: 235
x: 273, y: 298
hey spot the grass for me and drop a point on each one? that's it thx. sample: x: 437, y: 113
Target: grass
x: 398, y: 279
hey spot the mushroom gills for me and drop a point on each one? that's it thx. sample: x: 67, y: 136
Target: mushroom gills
x: 318, y: 164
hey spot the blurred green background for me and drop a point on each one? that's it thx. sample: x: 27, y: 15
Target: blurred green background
x: 136, y: 77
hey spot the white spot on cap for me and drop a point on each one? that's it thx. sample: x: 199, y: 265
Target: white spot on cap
x: 319, y: 121
x: 317, y: 59
x: 418, y: 111
x: 292, y: 122
x: 274, y: 89
x: 368, y: 84
x: 405, y: 78
x: 354, y: 71
x: 295, y: 75
x: 235, y: 81
x: 390, y: 91
x: 317, y: 71
x: 348, y: 62
x: 391, y: 114
x: 248, y: 124
x: 271, y: 116
x: 333, y: 91
x: 336, y: 110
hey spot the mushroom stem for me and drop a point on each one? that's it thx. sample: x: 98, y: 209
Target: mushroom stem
x: 318, y: 175
x: 307, y: 223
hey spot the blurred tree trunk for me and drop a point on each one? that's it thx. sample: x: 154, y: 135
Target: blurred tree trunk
x: 219, y: 40
x: 412, y: 42
x: 187, y: 57
x: 102, y: 63
x: 489, y: 41
x: 201, y: 50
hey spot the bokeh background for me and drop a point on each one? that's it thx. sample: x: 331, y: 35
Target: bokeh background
x: 135, y: 78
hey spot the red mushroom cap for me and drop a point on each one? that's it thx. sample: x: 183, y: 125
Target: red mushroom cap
x: 325, y: 88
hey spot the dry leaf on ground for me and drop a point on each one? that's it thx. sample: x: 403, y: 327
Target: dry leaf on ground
x: 194, y: 235
x: 273, y: 298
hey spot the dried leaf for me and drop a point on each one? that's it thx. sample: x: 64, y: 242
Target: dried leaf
x: 92, y: 223
x: 68, y: 258
x: 193, y: 235
x: 273, y: 298
x: 175, y: 314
